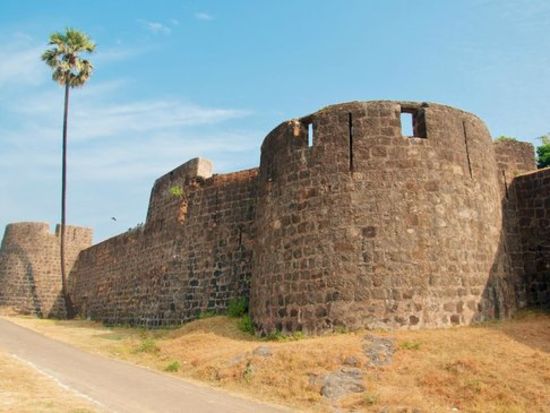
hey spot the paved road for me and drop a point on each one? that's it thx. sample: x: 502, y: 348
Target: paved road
x: 117, y: 386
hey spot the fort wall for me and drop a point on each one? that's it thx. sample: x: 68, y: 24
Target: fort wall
x: 513, y: 158
x: 192, y: 255
x: 349, y: 221
x: 532, y: 192
x: 30, y: 269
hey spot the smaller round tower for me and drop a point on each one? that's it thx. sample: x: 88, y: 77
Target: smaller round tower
x: 30, y: 272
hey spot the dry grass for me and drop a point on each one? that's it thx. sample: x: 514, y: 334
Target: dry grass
x: 22, y: 390
x: 496, y: 367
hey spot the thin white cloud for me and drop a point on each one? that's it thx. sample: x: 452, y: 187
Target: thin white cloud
x: 109, y: 55
x: 204, y: 16
x: 22, y: 66
x: 21, y: 36
x: 125, y: 158
x: 156, y: 130
x: 155, y: 27
x: 94, y: 115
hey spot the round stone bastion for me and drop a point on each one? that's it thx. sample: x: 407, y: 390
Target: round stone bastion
x: 377, y: 214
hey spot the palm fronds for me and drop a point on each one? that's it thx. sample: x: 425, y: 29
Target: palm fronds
x: 64, y: 57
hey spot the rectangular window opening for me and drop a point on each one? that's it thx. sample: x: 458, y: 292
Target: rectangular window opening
x: 413, y: 123
x: 310, y: 135
x: 407, y: 124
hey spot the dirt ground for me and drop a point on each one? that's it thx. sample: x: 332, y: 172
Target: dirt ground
x: 494, y: 367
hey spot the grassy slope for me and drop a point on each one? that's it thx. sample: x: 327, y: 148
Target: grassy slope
x: 496, y: 367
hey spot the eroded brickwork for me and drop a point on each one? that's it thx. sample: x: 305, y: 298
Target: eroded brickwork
x: 30, y: 269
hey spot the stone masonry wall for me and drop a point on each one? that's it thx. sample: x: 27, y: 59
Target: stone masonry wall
x: 533, y: 199
x: 30, y: 269
x: 192, y: 255
x: 513, y: 158
x: 370, y: 228
x: 348, y: 222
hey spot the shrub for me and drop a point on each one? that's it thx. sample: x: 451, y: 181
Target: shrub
x: 237, y: 307
x: 275, y: 336
x: 503, y: 138
x: 176, y: 191
x: 279, y: 336
x: 147, y: 345
x: 247, y: 372
x: 245, y: 324
x: 543, y: 152
x: 173, y: 366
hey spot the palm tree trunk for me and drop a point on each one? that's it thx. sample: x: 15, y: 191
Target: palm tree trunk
x: 66, y: 298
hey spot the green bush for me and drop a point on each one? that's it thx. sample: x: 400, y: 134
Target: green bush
x: 237, y: 307
x: 173, y: 367
x: 176, y: 191
x: 147, y: 345
x: 503, y: 138
x: 245, y: 324
x: 543, y: 156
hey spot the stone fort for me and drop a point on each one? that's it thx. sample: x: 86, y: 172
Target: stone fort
x: 347, y: 222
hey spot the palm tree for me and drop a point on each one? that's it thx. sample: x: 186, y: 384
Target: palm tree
x: 69, y: 70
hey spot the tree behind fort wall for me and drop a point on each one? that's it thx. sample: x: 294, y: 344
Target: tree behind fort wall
x: 543, y: 152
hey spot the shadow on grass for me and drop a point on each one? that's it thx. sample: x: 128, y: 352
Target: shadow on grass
x: 221, y: 326
x: 529, y: 327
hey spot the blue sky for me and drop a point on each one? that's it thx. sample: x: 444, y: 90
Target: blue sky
x: 179, y: 79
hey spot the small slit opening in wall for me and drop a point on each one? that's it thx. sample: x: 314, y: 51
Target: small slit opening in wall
x: 240, y: 236
x: 310, y: 135
x: 505, y: 183
x: 350, y: 134
x: 467, y: 149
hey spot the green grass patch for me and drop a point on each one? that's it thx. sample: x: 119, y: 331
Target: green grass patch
x: 237, y: 307
x: 409, y: 345
x: 245, y: 324
x: 207, y: 314
x: 147, y: 345
x: 173, y: 366
x: 279, y: 336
